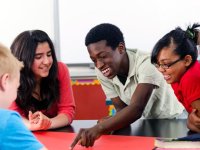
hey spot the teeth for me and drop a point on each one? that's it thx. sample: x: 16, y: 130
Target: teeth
x: 166, y: 77
x: 105, y: 71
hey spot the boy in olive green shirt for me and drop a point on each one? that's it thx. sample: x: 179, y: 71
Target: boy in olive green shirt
x: 129, y: 80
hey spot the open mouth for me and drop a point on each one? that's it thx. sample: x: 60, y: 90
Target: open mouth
x: 106, y: 72
x: 166, y: 77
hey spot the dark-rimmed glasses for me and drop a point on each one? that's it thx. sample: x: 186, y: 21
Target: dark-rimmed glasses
x: 166, y: 66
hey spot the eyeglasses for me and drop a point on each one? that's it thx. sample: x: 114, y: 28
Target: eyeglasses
x: 166, y: 66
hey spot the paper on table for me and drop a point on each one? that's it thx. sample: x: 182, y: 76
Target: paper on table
x: 62, y: 141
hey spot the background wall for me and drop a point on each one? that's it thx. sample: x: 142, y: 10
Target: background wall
x: 19, y: 15
x: 67, y: 22
x: 143, y: 22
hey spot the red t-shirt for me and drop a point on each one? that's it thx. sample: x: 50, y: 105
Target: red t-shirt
x: 65, y: 104
x: 188, y: 89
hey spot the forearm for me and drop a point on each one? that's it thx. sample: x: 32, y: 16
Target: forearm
x: 118, y: 104
x: 130, y: 113
x: 122, y: 119
x: 59, y: 121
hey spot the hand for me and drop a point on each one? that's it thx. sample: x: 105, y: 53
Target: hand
x: 38, y: 121
x: 193, y: 121
x: 86, y: 137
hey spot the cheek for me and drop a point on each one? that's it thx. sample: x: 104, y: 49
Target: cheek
x: 35, y: 65
x: 51, y: 60
x: 178, y: 73
x: 33, y: 68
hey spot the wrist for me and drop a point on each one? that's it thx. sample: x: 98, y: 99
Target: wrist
x: 50, y: 124
x: 103, y: 130
x: 100, y: 128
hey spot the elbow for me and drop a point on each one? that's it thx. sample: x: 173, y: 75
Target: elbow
x: 137, y: 113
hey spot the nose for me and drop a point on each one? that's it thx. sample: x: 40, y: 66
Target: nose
x: 45, y: 60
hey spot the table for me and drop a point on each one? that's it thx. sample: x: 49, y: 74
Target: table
x: 139, y: 135
x: 143, y: 127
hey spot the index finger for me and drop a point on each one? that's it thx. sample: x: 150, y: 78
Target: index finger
x: 30, y: 115
x: 78, y: 137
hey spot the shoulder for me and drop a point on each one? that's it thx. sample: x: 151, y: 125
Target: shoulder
x: 139, y: 59
x: 140, y: 63
x: 6, y: 114
x: 9, y: 120
x: 138, y: 56
x: 62, y: 69
x: 61, y: 65
x: 192, y: 75
x: 9, y: 115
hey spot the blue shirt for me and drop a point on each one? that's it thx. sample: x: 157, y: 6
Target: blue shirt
x: 14, y: 134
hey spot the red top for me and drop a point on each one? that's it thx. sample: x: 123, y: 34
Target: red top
x: 65, y: 104
x: 187, y: 89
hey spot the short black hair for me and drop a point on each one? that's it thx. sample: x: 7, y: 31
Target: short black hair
x: 105, y: 31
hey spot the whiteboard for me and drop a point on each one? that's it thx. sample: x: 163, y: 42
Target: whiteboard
x: 142, y: 22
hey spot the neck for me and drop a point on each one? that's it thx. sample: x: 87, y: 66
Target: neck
x: 124, y: 67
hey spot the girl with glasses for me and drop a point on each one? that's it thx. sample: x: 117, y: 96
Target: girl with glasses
x: 175, y: 56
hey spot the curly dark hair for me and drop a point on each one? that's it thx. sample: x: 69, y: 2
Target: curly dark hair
x: 105, y: 31
x: 24, y: 47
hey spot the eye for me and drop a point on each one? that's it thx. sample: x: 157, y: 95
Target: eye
x: 102, y: 56
x: 93, y: 60
x: 38, y: 56
x: 165, y: 66
x: 49, y: 54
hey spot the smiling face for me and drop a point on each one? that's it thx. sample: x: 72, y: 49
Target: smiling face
x: 174, y: 73
x: 42, y: 61
x: 105, y: 59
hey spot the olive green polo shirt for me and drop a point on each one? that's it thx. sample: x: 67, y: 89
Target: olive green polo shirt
x: 162, y: 103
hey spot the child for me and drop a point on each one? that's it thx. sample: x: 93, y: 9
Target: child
x: 14, y: 135
x: 175, y: 56
x: 44, y: 99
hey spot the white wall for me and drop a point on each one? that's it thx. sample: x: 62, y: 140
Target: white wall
x: 143, y: 22
x: 19, y: 15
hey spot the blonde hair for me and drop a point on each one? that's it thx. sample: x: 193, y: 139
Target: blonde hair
x: 8, y: 62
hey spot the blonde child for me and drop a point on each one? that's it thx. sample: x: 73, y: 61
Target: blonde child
x: 14, y: 134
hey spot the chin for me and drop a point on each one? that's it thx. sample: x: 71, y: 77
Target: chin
x: 111, y: 76
x: 44, y: 75
x: 170, y: 81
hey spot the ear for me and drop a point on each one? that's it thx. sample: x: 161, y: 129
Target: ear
x: 121, y: 48
x: 4, y: 81
x: 188, y: 60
